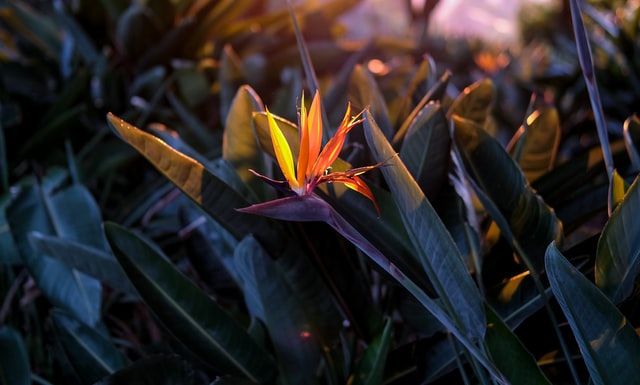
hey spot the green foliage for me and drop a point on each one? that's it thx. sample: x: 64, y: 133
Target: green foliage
x: 130, y: 248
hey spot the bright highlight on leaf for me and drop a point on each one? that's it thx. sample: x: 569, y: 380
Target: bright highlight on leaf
x: 314, y: 162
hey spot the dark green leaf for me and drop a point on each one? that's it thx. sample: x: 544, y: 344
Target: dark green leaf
x: 436, y: 250
x: 618, y: 255
x: 70, y: 214
x: 196, y: 320
x: 510, y: 355
x: 92, y: 354
x: 364, y: 93
x: 540, y: 140
x: 425, y: 149
x: 370, y: 370
x: 530, y: 220
x: 206, y: 189
x: 89, y: 260
x: 154, y: 370
x: 608, y: 342
x: 474, y: 102
x: 294, y: 305
x: 9, y: 254
x: 14, y: 361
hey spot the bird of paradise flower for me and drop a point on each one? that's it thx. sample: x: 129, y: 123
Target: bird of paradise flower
x: 314, y: 162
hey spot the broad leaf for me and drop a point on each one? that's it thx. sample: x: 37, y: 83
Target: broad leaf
x: 425, y: 149
x: 608, y: 342
x: 71, y: 214
x: 9, y: 254
x: 530, y: 220
x: 188, y: 313
x: 14, y: 360
x: 239, y: 144
x: 370, y: 369
x: 86, y: 259
x: 536, y: 143
x: 91, y: 354
x: 474, y: 102
x: 510, y: 355
x: 304, y: 319
x: 617, y: 189
x: 157, y: 370
x: 205, y: 188
x: 618, y: 254
x: 436, y: 250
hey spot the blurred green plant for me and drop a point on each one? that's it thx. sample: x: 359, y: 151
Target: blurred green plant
x: 489, y: 235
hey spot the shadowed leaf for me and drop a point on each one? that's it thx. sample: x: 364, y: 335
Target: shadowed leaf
x: 608, y: 342
x: 197, y: 321
x: 618, y: 255
x: 474, y: 102
x: 370, y: 369
x: 14, y: 361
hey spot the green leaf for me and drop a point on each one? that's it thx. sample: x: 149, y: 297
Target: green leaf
x: 618, y: 254
x: 36, y: 28
x: 530, y: 220
x: 239, y: 144
x: 434, y: 93
x: 10, y: 254
x: 202, y: 186
x: 474, y: 102
x: 188, y: 313
x: 294, y: 305
x: 436, y: 250
x: 510, y: 355
x: 631, y: 133
x: 370, y: 369
x: 71, y: 214
x: 425, y: 149
x: 365, y: 93
x: 608, y: 342
x: 14, y: 361
x: 154, y: 370
x: 540, y: 137
x: 92, y: 354
x: 89, y: 260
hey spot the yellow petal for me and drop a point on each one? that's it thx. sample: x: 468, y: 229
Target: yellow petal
x: 282, y: 151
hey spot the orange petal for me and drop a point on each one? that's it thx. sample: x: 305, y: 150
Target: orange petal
x: 354, y: 183
x: 282, y: 151
x: 303, y: 154
x: 314, y: 131
x: 331, y: 151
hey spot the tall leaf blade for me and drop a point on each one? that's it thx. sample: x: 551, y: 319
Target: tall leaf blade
x: 510, y: 355
x: 631, y: 133
x: 425, y: 149
x: 370, y: 370
x: 298, y: 314
x: 92, y: 355
x: 365, y: 93
x: 532, y: 222
x: 608, y: 342
x: 618, y: 254
x: 205, y: 188
x: 436, y: 250
x: 157, y: 370
x: 187, y: 312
